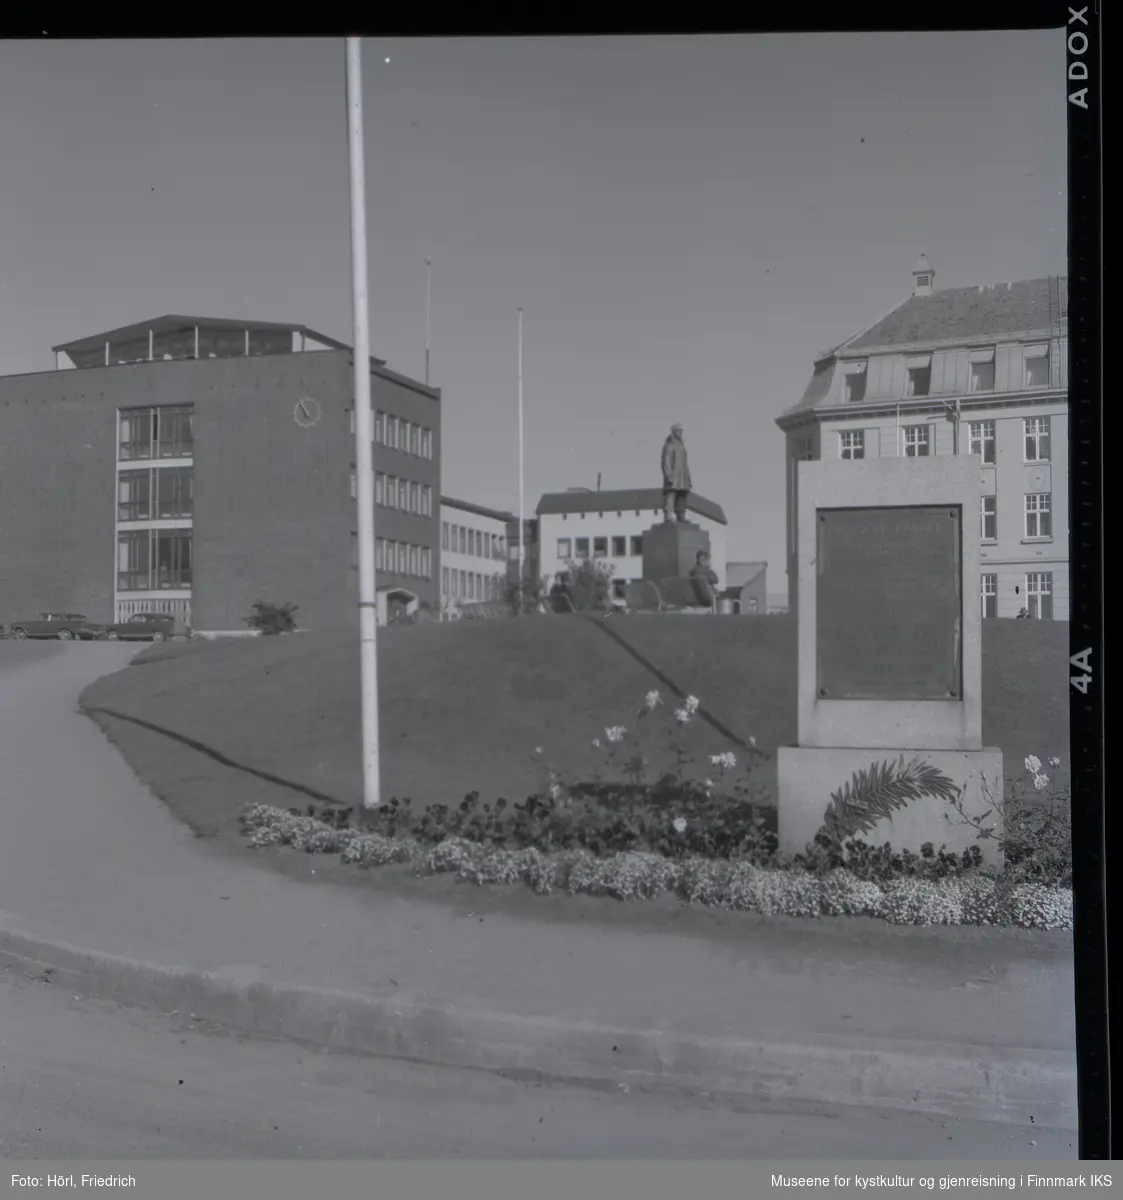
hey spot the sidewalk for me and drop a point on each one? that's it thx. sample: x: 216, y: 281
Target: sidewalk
x: 94, y: 872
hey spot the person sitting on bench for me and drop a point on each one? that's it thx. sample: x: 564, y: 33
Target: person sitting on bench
x: 705, y: 580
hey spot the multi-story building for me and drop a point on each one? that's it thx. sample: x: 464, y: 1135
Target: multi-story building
x: 473, y: 554
x: 194, y: 465
x: 746, y: 585
x: 979, y: 370
x: 608, y: 527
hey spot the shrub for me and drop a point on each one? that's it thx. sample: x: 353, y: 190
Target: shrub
x: 271, y: 619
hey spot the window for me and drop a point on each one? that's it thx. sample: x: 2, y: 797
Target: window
x: 982, y: 371
x: 145, y: 433
x: 637, y: 546
x: 426, y: 443
x: 600, y: 547
x: 565, y: 549
x: 392, y: 432
x: 415, y: 440
x: 462, y: 539
x: 175, y: 493
x: 1037, y: 430
x: 426, y: 563
x: 619, y: 588
x: 154, y: 560
x: 1039, y: 595
x: 390, y: 490
x: 916, y: 441
x: 803, y: 449
x: 444, y: 581
x: 919, y: 375
x: 379, y: 554
x: 513, y: 553
x: 852, y: 444
x: 403, y: 558
x: 415, y: 560
x: 444, y: 535
x: 380, y: 428
x: 988, y: 594
x: 855, y: 376
x: 619, y: 547
x: 471, y: 585
x: 989, y: 528
x: 1037, y: 366
x: 1039, y: 515
x: 980, y: 440
x: 415, y: 498
x: 134, y: 495
x: 380, y: 488
x: 427, y: 501
x: 581, y: 545
x: 479, y: 543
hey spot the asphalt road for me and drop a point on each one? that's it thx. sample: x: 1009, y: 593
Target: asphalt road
x: 86, y: 1079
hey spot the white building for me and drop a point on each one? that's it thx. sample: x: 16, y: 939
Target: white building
x: 608, y: 527
x: 973, y: 370
x: 473, y: 554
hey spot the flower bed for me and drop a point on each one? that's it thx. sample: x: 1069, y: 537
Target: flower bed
x: 778, y: 890
x: 712, y: 840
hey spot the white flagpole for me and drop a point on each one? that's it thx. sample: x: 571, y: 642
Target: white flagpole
x: 428, y: 313
x: 364, y: 433
x: 522, y: 501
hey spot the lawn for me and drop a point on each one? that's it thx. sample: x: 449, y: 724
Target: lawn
x: 463, y: 707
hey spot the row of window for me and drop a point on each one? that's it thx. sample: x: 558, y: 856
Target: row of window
x: 916, y: 440
x: 1038, y: 514
x: 1038, y: 595
x: 396, y: 433
x: 462, y: 540
x: 403, y: 495
x: 578, y: 548
x: 147, y: 433
x: 150, y: 560
x: 155, y: 494
x: 397, y: 558
x: 919, y: 373
x: 470, y: 585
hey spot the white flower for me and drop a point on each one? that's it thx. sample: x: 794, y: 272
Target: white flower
x: 692, y: 704
x: 682, y: 716
x: 616, y: 733
x: 726, y: 761
x: 1054, y: 762
x: 596, y: 742
x: 709, y: 784
x: 1040, y: 781
x: 555, y: 791
x: 651, y: 700
x: 537, y: 749
x: 752, y: 742
x: 680, y: 824
x: 1033, y: 764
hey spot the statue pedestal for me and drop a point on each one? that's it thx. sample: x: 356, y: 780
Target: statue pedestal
x: 670, y: 551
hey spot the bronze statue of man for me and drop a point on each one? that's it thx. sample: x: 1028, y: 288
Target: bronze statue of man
x: 676, y: 477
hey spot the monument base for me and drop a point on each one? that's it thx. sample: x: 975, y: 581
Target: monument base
x: 670, y: 551
x: 808, y: 776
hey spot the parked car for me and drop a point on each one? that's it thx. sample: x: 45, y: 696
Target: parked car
x: 65, y: 626
x: 148, y: 627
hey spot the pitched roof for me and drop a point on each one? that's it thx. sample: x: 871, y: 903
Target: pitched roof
x: 174, y: 323
x: 634, y: 499
x: 741, y: 574
x: 478, y: 509
x: 962, y: 314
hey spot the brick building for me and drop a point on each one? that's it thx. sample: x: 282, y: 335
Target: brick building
x: 974, y: 370
x: 195, y: 465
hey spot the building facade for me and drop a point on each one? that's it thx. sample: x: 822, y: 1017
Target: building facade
x: 980, y: 371
x: 746, y: 585
x: 195, y: 466
x: 473, y: 554
x: 607, y: 527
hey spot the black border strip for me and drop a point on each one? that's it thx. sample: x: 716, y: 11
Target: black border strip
x: 1086, y: 502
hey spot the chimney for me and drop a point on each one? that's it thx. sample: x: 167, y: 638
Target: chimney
x: 923, y: 278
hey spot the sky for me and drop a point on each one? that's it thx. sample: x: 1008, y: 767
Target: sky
x: 686, y: 221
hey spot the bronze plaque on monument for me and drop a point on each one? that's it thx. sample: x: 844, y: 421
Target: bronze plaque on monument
x: 889, y: 603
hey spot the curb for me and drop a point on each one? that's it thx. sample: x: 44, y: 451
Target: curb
x: 1014, y: 1087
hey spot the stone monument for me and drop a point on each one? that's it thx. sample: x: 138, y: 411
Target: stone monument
x: 671, y: 549
x: 889, y: 646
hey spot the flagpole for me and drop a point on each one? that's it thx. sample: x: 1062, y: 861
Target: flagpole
x: 522, y: 501
x: 428, y: 312
x: 364, y: 434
